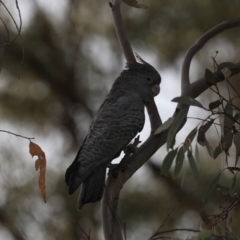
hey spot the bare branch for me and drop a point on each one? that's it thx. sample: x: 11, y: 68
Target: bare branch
x: 185, y: 82
x: 17, y: 135
x: 154, y: 117
x: 198, y: 87
x: 6, y: 28
x: 122, y: 36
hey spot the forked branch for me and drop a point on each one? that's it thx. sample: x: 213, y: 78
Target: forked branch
x: 185, y: 81
x: 111, y: 224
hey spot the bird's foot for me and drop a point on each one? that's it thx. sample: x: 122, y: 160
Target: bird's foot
x: 111, y: 166
x: 130, y: 149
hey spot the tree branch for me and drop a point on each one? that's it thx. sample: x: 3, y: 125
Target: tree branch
x: 121, y: 34
x: 114, y: 184
x: 154, y: 117
x: 185, y: 82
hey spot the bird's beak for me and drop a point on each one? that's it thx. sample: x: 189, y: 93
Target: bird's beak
x: 156, y: 89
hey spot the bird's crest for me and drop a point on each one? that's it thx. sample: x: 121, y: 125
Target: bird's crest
x: 129, y: 65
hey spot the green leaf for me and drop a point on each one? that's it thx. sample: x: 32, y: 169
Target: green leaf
x: 201, y: 138
x: 167, y: 162
x: 237, y: 145
x: 197, y: 154
x: 188, y: 101
x: 237, y: 116
x: 211, y: 188
x: 193, y: 164
x: 209, y: 148
x: 224, y: 190
x: 214, y: 105
x: 191, y: 135
x: 177, y: 122
x: 217, y: 151
x: 237, y: 142
x: 189, y: 139
x: 209, y: 76
x: 179, y: 162
x: 164, y: 126
x: 205, y: 234
x: 202, y: 130
x: 232, y: 183
x: 134, y: 3
x: 228, y: 124
x: 204, y: 217
x: 230, y: 235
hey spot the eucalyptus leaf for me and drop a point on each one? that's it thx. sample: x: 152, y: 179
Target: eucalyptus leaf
x: 193, y: 164
x: 191, y: 135
x: 211, y: 188
x: 201, y: 138
x: 202, y: 130
x: 237, y: 145
x: 209, y: 76
x: 214, y: 105
x: 179, y: 162
x: 205, y: 234
x: 167, y: 162
x: 164, y: 126
x: 204, y: 217
x: 188, y: 101
x: 209, y: 148
x: 197, y: 154
x: 233, y: 182
x: 189, y: 139
x: 228, y: 124
x: 224, y: 190
x: 230, y: 235
x: 237, y: 142
x: 217, y: 151
x: 237, y: 116
x: 177, y: 122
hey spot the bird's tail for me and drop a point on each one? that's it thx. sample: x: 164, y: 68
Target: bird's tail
x: 92, y: 188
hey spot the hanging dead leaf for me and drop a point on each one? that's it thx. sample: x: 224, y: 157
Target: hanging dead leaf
x: 40, y: 164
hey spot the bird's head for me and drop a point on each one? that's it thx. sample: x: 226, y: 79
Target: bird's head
x: 143, y: 79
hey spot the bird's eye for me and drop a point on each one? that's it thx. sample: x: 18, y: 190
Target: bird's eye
x: 148, y: 79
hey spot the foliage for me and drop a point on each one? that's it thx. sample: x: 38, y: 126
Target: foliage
x: 227, y: 113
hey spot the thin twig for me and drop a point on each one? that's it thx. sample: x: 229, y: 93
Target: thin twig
x: 87, y: 235
x: 4, y: 24
x: 20, y: 17
x: 226, y: 78
x: 17, y: 135
x: 164, y: 221
x: 223, y: 98
x: 19, y: 28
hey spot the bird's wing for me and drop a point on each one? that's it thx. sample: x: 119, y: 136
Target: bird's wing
x: 114, y: 126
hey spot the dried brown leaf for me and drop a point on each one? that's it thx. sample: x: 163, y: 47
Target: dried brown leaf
x: 40, y: 164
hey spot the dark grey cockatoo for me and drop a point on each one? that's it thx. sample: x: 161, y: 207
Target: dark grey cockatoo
x: 118, y: 120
